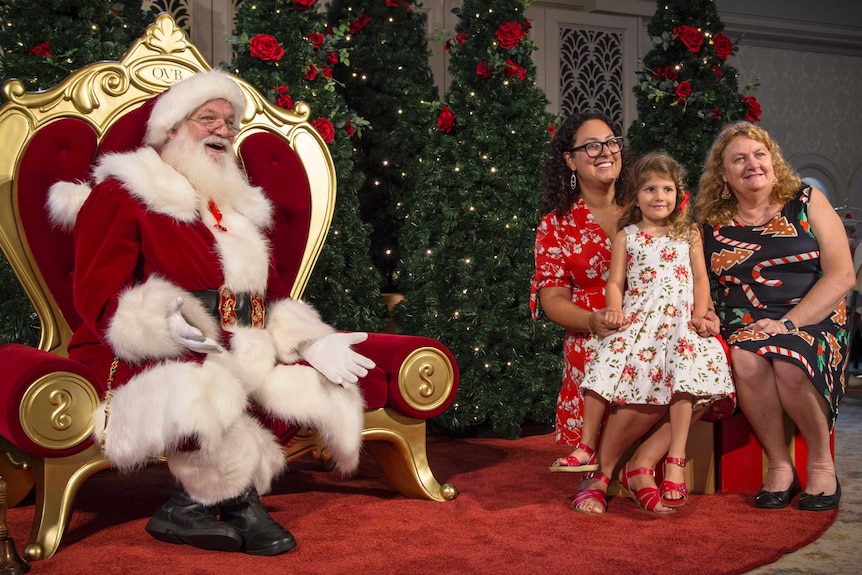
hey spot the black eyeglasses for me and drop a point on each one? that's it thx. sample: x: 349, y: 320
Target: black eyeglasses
x: 594, y: 149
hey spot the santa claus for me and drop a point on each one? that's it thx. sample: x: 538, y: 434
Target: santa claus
x: 185, y: 316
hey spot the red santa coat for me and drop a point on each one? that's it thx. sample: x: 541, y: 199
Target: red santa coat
x: 144, y: 237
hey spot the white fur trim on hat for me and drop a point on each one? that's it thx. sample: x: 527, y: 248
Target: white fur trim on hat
x: 188, y: 95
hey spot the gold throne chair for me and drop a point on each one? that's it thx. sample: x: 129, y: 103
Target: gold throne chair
x: 46, y: 399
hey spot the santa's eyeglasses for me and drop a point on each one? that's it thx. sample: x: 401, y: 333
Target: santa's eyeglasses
x: 213, y: 125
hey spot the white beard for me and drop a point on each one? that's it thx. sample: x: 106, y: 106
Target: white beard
x: 215, y: 177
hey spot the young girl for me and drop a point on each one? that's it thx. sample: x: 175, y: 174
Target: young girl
x: 659, y: 293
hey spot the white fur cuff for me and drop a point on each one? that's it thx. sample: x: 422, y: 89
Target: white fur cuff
x: 140, y: 329
x: 292, y: 325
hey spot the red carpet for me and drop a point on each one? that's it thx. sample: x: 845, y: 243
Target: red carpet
x: 511, y: 517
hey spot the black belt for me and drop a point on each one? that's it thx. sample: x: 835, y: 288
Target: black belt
x: 232, y: 309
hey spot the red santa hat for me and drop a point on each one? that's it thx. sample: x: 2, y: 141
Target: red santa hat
x: 186, y: 96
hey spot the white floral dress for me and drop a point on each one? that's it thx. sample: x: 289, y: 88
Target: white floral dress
x: 658, y: 354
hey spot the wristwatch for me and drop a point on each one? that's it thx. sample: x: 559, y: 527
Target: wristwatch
x: 787, y: 324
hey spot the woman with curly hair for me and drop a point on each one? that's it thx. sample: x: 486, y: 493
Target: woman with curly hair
x: 779, y: 258
x: 583, y: 180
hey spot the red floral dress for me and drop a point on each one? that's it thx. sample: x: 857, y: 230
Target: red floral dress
x: 572, y: 251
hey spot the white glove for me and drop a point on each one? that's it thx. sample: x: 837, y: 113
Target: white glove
x: 189, y: 335
x: 332, y: 356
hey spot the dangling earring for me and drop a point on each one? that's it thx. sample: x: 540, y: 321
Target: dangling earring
x: 574, y: 181
x: 725, y: 193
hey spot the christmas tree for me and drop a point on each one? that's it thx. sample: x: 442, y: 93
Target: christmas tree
x: 467, y: 246
x: 687, y: 89
x: 42, y: 43
x: 389, y: 83
x: 288, y: 52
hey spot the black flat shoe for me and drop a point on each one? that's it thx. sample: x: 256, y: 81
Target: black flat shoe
x: 777, y: 499
x: 820, y: 502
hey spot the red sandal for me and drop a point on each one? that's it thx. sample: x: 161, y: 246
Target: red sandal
x: 647, y: 498
x: 595, y: 494
x: 572, y: 464
x: 668, y: 486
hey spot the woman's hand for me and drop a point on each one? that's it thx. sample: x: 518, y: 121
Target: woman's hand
x: 706, y: 326
x: 607, y: 321
x: 770, y: 326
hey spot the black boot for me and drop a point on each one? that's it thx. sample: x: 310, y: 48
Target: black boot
x: 183, y: 520
x: 261, y: 534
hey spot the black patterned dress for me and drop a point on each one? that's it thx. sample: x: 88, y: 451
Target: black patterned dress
x: 762, y: 272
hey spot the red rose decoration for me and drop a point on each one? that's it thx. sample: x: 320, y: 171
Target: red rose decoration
x: 513, y: 70
x: 669, y: 73
x: 754, y: 111
x: 327, y: 71
x: 483, y: 70
x: 461, y: 38
x: 683, y: 90
x: 691, y: 37
x: 332, y: 58
x: 316, y: 40
x: 43, y: 49
x: 284, y: 101
x: 714, y: 113
x: 393, y: 3
x: 359, y: 24
x: 348, y: 126
x: 325, y: 128
x: 723, y: 46
x: 311, y: 72
x: 509, y: 34
x: 265, y: 47
x: 446, y: 120
x: 552, y: 130
x: 282, y: 89
x: 304, y: 4
x: 718, y: 73
x: 527, y: 25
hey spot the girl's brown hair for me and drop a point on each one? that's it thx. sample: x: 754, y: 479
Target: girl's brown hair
x: 661, y: 164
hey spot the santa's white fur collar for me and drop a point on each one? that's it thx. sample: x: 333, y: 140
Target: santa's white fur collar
x: 157, y: 185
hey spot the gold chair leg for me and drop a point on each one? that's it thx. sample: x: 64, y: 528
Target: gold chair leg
x: 397, y: 443
x: 57, y: 483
